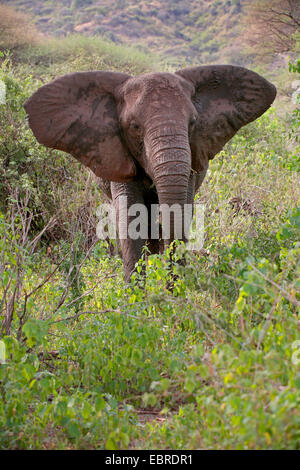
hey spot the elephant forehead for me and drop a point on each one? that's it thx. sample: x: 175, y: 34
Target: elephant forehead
x: 154, y: 85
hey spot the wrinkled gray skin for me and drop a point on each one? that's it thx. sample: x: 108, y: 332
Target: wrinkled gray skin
x: 150, y: 137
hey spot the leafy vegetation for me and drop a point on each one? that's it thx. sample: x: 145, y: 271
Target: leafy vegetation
x: 195, y: 30
x: 17, y: 30
x: 89, y: 362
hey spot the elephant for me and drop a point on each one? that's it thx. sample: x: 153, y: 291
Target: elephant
x: 148, y: 137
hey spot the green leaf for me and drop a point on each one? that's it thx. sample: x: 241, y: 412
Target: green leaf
x: 189, y: 385
x: 100, y: 404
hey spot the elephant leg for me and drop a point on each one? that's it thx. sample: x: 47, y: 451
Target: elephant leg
x: 132, y: 249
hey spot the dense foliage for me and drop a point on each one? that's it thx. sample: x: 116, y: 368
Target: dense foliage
x: 201, y: 30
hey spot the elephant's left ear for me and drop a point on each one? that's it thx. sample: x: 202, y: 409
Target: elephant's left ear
x: 77, y: 113
x: 226, y: 98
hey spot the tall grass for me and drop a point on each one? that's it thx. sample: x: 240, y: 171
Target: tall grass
x: 87, y: 53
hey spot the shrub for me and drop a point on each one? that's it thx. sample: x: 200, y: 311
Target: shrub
x: 16, y: 30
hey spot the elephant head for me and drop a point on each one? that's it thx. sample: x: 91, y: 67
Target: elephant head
x: 163, y: 126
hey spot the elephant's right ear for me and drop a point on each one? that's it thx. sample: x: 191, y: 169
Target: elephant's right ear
x: 77, y: 113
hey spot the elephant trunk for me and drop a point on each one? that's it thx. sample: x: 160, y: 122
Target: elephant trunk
x: 170, y: 158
